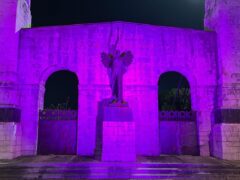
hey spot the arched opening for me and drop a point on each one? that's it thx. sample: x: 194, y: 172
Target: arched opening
x: 173, y: 92
x: 61, y: 91
x: 178, y: 131
x: 57, y: 132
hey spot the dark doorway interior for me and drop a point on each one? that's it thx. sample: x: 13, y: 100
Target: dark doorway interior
x: 177, y: 121
x: 61, y: 91
x: 57, y: 132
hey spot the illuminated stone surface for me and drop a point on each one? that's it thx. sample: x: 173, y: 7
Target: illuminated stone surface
x: 118, y: 134
x: 223, y: 17
x: 209, y: 61
x: 78, y: 48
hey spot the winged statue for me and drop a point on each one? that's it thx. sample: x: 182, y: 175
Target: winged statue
x: 116, y: 62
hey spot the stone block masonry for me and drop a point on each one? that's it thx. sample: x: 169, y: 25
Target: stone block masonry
x: 118, y: 135
x: 10, y: 140
x: 226, y: 141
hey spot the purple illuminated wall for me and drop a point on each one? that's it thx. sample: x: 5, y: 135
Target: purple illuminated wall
x: 156, y: 50
x: 209, y: 61
x: 8, y: 54
x: 224, y: 18
x: 10, y: 132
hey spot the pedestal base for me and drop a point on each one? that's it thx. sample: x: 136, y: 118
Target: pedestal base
x: 118, y: 134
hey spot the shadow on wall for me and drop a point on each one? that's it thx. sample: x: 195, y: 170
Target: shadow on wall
x: 99, y: 126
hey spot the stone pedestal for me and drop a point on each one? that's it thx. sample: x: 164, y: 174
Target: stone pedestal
x: 118, y: 134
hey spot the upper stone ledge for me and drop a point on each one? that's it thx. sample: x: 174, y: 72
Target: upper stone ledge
x: 116, y: 24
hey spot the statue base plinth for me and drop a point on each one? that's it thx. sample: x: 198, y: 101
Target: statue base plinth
x: 118, y: 134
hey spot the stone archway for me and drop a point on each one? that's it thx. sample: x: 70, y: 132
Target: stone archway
x: 57, y: 132
x: 177, y: 121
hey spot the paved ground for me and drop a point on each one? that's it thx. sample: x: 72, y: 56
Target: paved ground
x: 163, y: 167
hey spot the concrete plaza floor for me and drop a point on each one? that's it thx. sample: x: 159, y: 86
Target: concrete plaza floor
x: 162, y: 167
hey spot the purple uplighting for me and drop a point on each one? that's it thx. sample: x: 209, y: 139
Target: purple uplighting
x: 209, y: 60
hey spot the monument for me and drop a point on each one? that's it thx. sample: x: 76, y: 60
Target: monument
x: 208, y: 59
x: 116, y: 63
x: 118, y: 125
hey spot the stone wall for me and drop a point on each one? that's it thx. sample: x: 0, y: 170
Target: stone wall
x: 8, y: 54
x: 10, y: 131
x: 10, y: 140
x: 156, y: 50
x: 222, y: 16
x: 24, y: 17
x: 227, y: 141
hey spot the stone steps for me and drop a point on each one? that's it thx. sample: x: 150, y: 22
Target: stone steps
x: 102, y: 170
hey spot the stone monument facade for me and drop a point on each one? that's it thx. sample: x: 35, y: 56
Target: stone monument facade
x: 223, y: 18
x: 208, y: 59
x: 118, y: 140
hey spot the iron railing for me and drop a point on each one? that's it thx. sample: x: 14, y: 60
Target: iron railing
x: 177, y: 116
x: 49, y: 114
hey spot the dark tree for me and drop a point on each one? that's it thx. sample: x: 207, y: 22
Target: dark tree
x: 173, y: 92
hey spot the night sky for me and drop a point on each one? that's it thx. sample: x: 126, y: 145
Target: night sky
x: 179, y: 13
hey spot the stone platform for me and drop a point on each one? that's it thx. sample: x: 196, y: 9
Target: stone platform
x: 118, y: 134
x: 162, y: 167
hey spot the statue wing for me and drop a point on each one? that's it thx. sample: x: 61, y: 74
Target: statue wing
x: 106, y: 60
x: 127, y: 58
